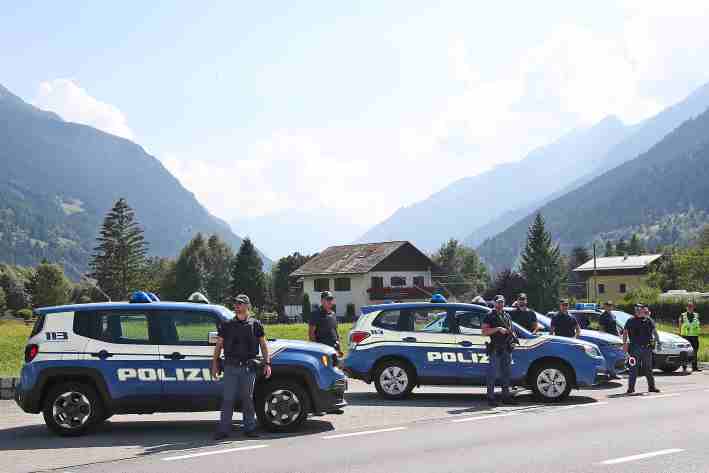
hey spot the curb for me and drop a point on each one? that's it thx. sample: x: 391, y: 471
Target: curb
x: 7, y: 387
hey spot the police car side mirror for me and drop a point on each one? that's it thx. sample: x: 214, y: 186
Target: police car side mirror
x: 213, y: 338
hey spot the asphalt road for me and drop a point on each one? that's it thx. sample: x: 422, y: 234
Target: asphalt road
x: 438, y: 429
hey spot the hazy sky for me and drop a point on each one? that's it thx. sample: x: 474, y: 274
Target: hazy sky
x: 354, y: 107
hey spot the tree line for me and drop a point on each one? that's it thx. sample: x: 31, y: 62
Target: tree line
x: 120, y: 265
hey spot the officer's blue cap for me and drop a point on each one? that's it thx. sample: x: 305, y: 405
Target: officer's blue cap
x: 438, y: 298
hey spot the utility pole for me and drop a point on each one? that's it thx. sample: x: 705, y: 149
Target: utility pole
x: 595, y: 284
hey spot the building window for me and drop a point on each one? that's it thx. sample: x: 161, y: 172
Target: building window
x: 377, y: 282
x: 398, y: 281
x: 322, y: 284
x: 622, y: 288
x: 418, y: 281
x: 342, y: 284
x: 601, y: 288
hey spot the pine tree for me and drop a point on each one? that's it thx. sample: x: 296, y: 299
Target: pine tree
x: 541, y: 267
x: 190, y: 268
x: 281, y: 277
x: 247, y: 274
x: 219, y: 261
x: 636, y: 246
x: 703, y: 241
x: 48, y: 286
x: 119, y: 258
x: 3, y: 301
x: 610, y: 250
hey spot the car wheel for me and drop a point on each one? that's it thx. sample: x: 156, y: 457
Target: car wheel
x: 551, y: 382
x: 70, y: 409
x: 669, y: 368
x: 394, y: 379
x: 282, y: 405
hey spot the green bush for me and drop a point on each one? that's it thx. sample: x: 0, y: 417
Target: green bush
x: 306, y: 308
x: 668, y: 311
x: 25, y: 314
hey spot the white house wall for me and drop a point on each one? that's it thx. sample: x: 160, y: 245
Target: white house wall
x: 359, y: 283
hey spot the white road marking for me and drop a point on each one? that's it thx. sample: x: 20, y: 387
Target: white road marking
x: 590, y: 404
x: 642, y: 456
x: 214, y: 452
x: 364, y: 432
x: 490, y: 416
x: 660, y: 396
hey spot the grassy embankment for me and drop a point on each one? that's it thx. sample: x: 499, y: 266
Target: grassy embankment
x: 14, y: 334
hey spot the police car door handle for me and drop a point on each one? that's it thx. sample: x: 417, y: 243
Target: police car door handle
x: 465, y: 343
x: 409, y: 339
x: 175, y: 356
x: 103, y: 354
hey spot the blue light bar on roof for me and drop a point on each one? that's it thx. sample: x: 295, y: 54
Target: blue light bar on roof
x: 140, y: 297
x: 586, y: 306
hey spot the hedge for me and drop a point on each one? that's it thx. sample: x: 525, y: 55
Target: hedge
x: 669, y: 311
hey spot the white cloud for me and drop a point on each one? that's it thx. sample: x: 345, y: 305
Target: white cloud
x: 73, y: 103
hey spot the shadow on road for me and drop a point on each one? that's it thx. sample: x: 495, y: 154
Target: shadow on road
x: 150, y: 436
x: 461, y: 403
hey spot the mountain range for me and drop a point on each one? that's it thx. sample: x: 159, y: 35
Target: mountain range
x: 59, y: 179
x: 472, y: 203
x: 628, y: 192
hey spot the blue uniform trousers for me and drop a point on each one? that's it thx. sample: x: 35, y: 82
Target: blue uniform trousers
x: 238, y: 384
x: 643, y: 359
x: 499, y: 367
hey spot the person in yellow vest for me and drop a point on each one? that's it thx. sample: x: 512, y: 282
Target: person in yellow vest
x: 689, y: 328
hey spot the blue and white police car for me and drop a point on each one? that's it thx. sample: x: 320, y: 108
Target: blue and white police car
x: 611, y: 346
x: 86, y: 362
x: 403, y: 345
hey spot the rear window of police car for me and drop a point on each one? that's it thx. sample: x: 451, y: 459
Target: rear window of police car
x: 113, y: 327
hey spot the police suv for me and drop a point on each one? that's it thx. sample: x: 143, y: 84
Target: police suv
x: 86, y: 362
x: 403, y: 345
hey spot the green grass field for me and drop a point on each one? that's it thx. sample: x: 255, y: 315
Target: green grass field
x: 14, y: 334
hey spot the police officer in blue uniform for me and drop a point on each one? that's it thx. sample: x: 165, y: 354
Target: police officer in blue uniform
x: 563, y: 324
x: 639, y: 338
x: 240, y: 338
x: 498, y: 326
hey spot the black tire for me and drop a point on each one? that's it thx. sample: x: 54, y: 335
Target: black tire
x: 394, y: 379
x: 70, y: 409
x: 288, y: 401
x: 551, y: 381
x: 669, y: 368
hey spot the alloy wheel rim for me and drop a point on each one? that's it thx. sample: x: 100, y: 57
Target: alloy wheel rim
x: 394, y: 380
x: 71, y: 410
x: 551, y: 382
x: 283, y: 407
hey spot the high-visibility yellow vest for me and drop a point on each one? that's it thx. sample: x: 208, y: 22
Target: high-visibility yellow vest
x: 690, y: 325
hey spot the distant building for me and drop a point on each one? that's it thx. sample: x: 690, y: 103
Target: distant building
x: 613, y: 277
x: 369, y: 273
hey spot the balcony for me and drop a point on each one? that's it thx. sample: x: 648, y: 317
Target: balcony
x: 400, y: 293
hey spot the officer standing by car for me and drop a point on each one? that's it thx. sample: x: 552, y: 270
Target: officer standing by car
x: 523, y: 316
x: 639, y: 338
x: 690, y: 328
x: 498, y: 326
x: 240, y: 339
x: 563, y: 324
x: 608, y: 324
x: 323, y: 324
